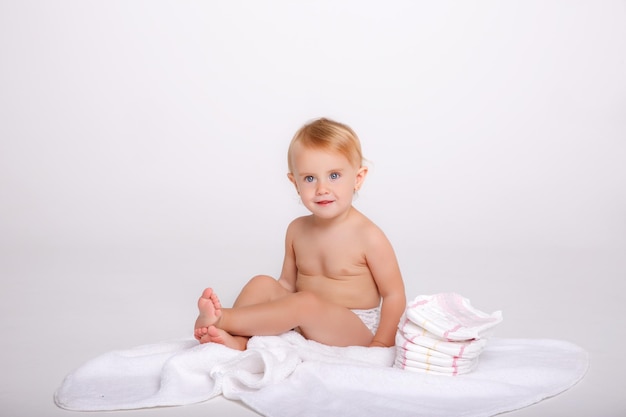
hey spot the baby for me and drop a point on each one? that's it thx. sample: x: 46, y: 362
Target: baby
x: 340, y: 282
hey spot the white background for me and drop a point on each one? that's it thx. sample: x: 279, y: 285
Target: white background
x: 143, y: 158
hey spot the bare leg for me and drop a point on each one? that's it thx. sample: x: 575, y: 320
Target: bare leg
x: 215, y: 335
x: 259, y: 289
x: 319, y: 320
x: 264, y: 307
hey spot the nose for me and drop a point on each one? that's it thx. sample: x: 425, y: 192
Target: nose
x: 322, y: 188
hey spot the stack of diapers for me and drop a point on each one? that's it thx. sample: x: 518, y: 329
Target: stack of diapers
x: 442, y: 334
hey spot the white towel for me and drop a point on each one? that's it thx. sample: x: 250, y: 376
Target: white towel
x: 275, y: 375
x: 184, y: 372
x: 512, y: 373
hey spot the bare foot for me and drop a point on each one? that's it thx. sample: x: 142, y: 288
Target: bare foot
x: 215, y: 335
x: 210, y: 311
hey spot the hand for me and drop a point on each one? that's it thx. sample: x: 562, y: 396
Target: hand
x: 376, y: 343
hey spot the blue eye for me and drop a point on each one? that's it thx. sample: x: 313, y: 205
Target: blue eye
x: 334, y: 176
x: 309, y: 178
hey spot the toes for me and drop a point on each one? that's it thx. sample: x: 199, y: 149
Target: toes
x: 200, y: 332
x: 213, y: 331
x: 216, y: 301
x: 208, y: 294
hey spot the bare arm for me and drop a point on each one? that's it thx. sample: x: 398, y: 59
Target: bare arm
x: 289, y: 272
x: 383, y: 264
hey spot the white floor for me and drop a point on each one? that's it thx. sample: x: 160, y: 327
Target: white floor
x: 61, y: 308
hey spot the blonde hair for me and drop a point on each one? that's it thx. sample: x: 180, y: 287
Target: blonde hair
x: 328, y: 135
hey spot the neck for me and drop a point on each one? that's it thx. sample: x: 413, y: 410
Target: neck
x: 324, y: 223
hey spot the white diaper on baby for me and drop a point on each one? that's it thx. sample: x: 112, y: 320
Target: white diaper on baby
x: 369, y: 317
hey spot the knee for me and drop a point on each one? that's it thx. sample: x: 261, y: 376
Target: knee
x: 308, y: 302
x: 261, y: 280
x: 264, y: 284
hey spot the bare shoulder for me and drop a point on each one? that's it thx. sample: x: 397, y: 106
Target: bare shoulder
x: 370, y: 233
x: 297, y: 225
x: 299, y: 222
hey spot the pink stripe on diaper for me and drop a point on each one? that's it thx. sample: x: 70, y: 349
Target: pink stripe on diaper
x: 461, y: 351
x: 405, y: 345
x: 453, y: 304
x: 404, y: 359
x: 404, y: 322
x: 418, y: 303
x: 452, y: 330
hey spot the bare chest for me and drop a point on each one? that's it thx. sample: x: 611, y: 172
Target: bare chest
x: 339, y: 257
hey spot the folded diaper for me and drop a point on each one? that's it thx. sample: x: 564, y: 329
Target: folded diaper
x: 451, y: 317
x: 405, y: 344
x: 426, y: 358
x: 409, y: 337
x: 417, y: 366
x: 442, y: 334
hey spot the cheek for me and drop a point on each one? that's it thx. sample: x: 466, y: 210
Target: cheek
x: 304, y: 187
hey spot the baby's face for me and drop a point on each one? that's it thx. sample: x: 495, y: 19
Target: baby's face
x: 325, y: 180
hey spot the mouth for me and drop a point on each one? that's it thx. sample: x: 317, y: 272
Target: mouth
x: 324, y: 202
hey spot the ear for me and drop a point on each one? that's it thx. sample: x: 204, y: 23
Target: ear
x: 293, y: 181
x: 360, y: 177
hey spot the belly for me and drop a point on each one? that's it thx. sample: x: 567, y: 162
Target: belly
x: 354, y: 292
